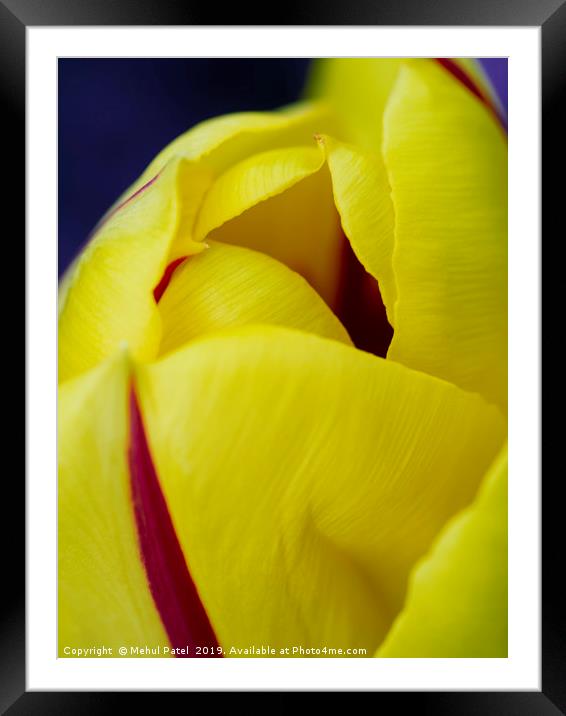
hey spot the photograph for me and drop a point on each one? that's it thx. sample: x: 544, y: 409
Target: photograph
x: 283, y: 355
x: 282, y: 411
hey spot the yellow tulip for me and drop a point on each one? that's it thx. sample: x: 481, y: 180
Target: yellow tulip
x: 282, y: 368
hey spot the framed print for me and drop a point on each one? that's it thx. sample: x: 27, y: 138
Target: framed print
x: 277, y: 355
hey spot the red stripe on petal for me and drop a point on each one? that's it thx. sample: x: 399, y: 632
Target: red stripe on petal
x: 174, y: 593
x: 135, y: 194
x: 159, y: 290
x: 113, y: 211
x: 464, y: 78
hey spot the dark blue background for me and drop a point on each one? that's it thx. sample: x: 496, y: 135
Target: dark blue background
x: 115, y: 115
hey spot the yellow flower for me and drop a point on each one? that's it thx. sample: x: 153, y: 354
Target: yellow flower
x: 240, y: 465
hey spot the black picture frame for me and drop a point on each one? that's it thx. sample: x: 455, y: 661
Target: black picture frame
x: 550, y: 15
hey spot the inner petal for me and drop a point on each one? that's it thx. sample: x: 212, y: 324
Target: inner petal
x: 229, y: 286
x: 301, y: 228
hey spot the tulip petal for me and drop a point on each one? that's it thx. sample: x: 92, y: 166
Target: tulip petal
x: 363, y: 199
x: 232, y: 286
x: 304, y: 479
x: 104, y: 597
x: 357, y: 90
x: 221, y: 142
x: 297, y: 224
x: 253, y: 180
x: 107, y: 298
x: 457, y: 598
x: 447, y: 161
